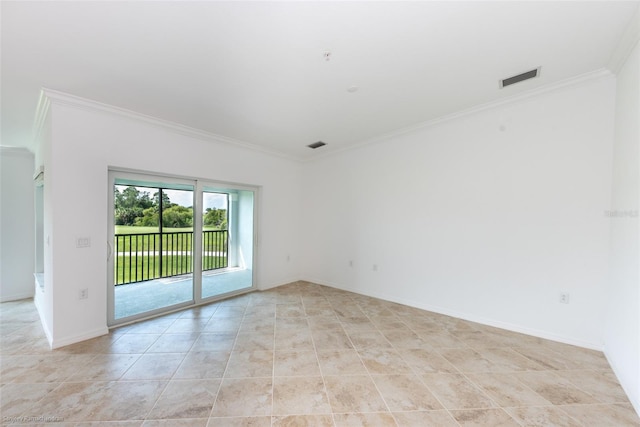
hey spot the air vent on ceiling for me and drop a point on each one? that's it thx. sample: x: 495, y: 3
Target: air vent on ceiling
x: 520, y: 77
x: 316, y: 145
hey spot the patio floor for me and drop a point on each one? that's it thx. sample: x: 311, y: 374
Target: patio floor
x: 141, y: 297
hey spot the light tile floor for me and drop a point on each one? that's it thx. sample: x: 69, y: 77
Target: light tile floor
x: 303, y: 355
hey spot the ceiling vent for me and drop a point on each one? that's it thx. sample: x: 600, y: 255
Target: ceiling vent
x: 520, y: 78
x: 316, y: 145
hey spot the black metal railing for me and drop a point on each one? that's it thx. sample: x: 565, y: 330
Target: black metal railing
x: 147, y: 256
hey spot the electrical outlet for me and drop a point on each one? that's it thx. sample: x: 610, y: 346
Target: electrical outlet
x: 83, y: 293
x: 564, y: 298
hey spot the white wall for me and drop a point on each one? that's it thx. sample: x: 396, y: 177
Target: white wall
x: 43, y: 297
x: 622, y: 330
x: 16, y: 224
x: 488, y: 216
x: 86, y: 142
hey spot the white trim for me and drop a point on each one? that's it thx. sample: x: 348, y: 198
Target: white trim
x: 198, y: 228
x: 78, y: 338
x: 616, y: 372
x: 42, y: 111
x: 471, y: 318
x: 278, y: 284
x: 573, y: 81
x: 37, y: 300
x: 62, y: 98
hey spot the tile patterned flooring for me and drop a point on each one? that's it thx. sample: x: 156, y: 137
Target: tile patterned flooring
x: 302, y: 355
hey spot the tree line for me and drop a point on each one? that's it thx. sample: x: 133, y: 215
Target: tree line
x: 138, y: 208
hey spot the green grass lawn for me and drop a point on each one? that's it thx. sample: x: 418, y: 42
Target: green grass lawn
x: 138, y: 239
x: 141, y: 247
x: 133, y: 229
x: 130, y: 229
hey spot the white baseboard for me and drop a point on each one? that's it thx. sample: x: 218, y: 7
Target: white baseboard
x: 616, y: 371
x: 16, y: 297
x: 275, y: 285
x: 61, y: 342
x: 470, y: 317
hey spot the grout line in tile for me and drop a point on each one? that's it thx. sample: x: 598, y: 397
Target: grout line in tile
x: 226, y: 366
x: 585, y: 391
x: 324, y: 383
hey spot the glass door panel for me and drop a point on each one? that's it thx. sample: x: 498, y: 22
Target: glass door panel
x: 152, y: 248
x: 227, y: 241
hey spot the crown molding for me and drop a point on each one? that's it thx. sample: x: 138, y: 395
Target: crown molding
x: 573, y: 81
x: 628, y: 41
x: 61, y: 98
x: 50, y: 96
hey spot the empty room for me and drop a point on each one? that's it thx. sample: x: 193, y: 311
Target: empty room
x: 333, y: 213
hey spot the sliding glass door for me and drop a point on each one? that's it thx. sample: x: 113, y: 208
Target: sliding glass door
x: 176, y: 243
x: 227, y: 240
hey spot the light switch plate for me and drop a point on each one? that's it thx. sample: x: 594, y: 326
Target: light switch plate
x: 83, y: 242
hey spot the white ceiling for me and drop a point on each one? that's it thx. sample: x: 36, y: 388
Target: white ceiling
x: 256, y: 72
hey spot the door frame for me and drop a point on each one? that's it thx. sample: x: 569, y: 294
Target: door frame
x: 198, y: 188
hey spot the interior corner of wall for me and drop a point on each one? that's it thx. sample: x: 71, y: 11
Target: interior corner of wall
x: 628, y: 42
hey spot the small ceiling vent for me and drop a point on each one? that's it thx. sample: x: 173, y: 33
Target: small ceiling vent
x: 520, y: 78
x: 316, y: 145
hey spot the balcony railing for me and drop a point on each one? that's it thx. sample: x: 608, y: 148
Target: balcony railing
x: 148, y: 256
